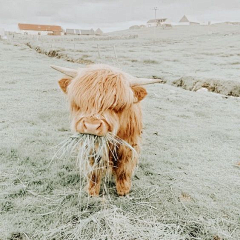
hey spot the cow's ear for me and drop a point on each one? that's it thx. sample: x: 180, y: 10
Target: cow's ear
x: 139, y: 93
x: 64, y: 82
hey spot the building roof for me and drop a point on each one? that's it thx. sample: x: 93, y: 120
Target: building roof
x: 77, y: 31
x: 184, y: 19
x: 70, y: 31
x: 98, y: 31
x: 189, y: 19
x: 37, y: 27
x: 157, y: 20
x: 87, y: 32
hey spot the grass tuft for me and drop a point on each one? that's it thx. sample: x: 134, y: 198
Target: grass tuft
x: 92, y: 152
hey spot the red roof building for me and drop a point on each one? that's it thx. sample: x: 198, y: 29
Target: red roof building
x: 47, y: 29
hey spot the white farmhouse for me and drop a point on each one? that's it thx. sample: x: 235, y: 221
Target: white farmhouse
x: 156, y: 22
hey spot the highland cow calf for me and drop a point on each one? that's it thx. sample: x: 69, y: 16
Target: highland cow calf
x: 104, y: 100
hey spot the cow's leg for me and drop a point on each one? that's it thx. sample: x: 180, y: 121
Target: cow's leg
x: 124, y: 170
x: 94, y: 182
x: 94, y: 179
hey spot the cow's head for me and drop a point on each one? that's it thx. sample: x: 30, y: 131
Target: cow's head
x: 99, y: 95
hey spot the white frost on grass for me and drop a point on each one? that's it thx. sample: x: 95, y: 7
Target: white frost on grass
x: 113, y: 223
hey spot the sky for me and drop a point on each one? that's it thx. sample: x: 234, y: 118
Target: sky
x: 112, y: 15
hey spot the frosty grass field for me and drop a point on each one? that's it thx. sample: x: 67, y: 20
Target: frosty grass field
x: 188, y: 179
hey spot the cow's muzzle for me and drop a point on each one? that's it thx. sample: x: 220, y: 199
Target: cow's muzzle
x: 93, y: 126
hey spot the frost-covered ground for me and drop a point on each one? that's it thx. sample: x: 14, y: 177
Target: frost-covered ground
x: 188, y: 56
x: 187, y: 184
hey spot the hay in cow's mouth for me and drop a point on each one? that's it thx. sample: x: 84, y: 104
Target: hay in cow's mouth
x: 92, y: 152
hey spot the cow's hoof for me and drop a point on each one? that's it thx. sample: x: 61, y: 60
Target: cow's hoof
x: 123, y: 191
x: 93, y: 192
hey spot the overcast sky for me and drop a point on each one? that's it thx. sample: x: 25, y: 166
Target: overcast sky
x: 112, y: 14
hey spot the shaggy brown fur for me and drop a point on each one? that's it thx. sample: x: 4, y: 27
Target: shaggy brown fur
x: 102, y: 101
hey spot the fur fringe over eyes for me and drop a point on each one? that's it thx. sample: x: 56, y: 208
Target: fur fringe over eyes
x: 96, y: 90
